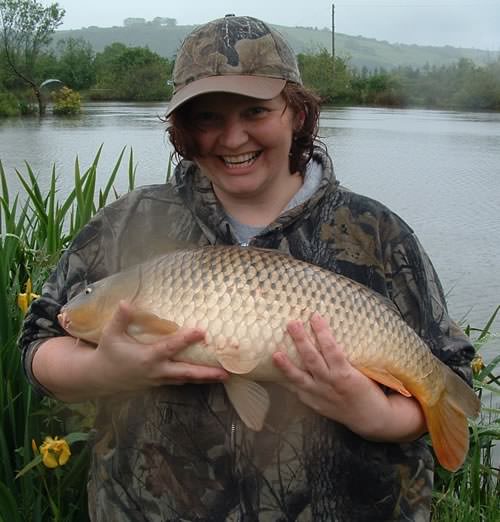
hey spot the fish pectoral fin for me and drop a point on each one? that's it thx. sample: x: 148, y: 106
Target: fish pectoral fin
x: 386, y: 378
x: 230, y: 359
x: 250, y: 400
x: 147, y: 328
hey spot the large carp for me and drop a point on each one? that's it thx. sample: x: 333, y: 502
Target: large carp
x: 244, y: 298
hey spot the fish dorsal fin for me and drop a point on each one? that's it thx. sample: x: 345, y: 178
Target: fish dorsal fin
x: 387, y: 379
x: 249, y: 399
x: 146, y: 327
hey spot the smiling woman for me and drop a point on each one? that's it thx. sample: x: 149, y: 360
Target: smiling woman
x: 168, y: 444
x: 304, y: 104
x: 242, y: 146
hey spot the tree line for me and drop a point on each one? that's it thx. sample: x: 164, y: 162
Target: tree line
x: 118, y: 73
x: 461, y: 86
x: 138, y: 74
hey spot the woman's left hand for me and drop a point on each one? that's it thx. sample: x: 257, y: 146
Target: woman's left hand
x: 334, y: 388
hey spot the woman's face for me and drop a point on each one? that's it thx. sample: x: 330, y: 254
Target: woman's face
x: 242, y: 143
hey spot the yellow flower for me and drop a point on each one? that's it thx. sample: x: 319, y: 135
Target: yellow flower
x: 477, y: 364
x: 24, y: 300
x: 55, y: 452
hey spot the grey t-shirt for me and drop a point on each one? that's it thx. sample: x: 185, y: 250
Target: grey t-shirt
x: 312, y: 178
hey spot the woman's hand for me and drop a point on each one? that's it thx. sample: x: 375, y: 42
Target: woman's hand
x: 126, y: 365
x: 75, y: 371
x: 334, y: 388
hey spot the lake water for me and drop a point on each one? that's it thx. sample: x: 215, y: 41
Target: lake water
x: 439, y: 170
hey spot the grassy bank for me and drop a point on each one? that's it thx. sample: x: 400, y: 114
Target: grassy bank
x: 35, y: 228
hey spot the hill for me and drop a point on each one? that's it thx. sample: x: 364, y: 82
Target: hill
x: 361, y: 51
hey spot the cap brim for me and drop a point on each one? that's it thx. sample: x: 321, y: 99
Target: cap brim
x: 260, y: 87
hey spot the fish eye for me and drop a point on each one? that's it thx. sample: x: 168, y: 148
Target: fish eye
x: 88, y: 290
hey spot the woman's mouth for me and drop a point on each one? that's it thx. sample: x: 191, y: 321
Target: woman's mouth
x: 240, y: 160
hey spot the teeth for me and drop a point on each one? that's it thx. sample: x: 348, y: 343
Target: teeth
x: 241, y: 159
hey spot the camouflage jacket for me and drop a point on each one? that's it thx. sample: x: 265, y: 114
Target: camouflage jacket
x: 181, y: 453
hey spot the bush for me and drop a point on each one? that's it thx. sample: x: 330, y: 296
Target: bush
x: 66, y: 101
x: 9, y: 105
x: 131, y: 74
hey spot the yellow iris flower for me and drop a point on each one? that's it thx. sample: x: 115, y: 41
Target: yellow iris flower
x: 55, y: 452
x: 24, y: 300
x: 477, y: 364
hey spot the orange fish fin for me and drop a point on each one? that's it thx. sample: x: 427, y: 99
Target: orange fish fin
x: 384, y: 377
x: 250, y: 400
x: 447, y: 420
x: 146, y: 327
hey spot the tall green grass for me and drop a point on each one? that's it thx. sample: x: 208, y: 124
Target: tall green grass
x: 35, y: 228
x: 473, y: 493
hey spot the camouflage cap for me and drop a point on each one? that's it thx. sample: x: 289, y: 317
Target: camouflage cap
x: 235, y: 54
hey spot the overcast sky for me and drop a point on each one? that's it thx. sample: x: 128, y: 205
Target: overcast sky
x: 460, y: 23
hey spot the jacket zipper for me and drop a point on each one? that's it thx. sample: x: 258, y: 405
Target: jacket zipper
x: 234, y: 445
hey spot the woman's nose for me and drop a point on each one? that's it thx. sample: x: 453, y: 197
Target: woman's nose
x: 233, y: 133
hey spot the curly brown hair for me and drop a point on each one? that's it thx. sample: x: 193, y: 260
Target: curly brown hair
x: 297, y: 97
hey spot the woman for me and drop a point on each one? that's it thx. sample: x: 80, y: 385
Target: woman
x: 251, y: 173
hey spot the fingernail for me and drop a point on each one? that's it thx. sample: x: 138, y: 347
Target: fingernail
x: 294, y: 326
x: 317, y: 319
x: 278, y: 358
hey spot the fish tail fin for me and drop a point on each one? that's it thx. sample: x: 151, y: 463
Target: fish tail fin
x: 447, y: 420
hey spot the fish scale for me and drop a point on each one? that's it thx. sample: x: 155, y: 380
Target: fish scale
x: 244, y: 298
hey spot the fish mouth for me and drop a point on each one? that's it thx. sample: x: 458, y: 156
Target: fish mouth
x: 76, y: 331
x: 240, y: 160
x: 64, y: 320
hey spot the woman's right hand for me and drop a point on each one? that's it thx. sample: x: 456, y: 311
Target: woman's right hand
x: 123, y: 364
x: 73, y: 370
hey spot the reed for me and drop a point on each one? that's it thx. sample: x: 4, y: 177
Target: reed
x: 473, y: 493
x: 35, y: 229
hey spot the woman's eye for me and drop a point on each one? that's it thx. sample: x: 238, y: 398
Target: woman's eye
x: 206, y: 119
x: 257, y: 111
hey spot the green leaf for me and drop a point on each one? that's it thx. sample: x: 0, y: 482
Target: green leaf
x: 8, y: 507
x: 103, y: 197
x: 132, y: 169
x: 33, y: 464
x: 487, y: 328
x: 5, y: 187
x: 71, y: 438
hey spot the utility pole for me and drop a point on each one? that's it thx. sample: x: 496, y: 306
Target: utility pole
x: 333, y: 36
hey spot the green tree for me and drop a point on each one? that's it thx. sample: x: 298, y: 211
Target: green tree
x: 379, y: 88
x: 76, y: 67
x: 26, y: 29
x: 330, y: 78
x: 479, y: 89
x: 133, y: 73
